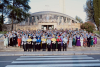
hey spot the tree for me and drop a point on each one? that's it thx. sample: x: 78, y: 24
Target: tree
x: 89, y: 26
x: 79, y: 19
x: 3, y: 9
x: 18, y: 10
x: 96, y: 6
x: 89, y: 10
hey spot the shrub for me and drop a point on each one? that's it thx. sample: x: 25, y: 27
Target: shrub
x: 88, y: 26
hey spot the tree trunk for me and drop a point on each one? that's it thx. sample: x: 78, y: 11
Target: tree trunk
x: 2, y: 14
x: 12, y: 25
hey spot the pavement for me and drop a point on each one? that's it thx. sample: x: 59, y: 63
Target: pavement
x: 44, y: 53
x: 51, y: 61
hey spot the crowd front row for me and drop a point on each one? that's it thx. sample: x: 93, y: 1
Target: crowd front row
x: 51, y: 40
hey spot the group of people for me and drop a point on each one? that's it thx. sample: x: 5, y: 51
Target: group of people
x: 49, y: 39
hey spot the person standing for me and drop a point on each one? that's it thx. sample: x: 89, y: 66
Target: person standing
x: 74, y: 41
x: 70, y: 42
x: 53, y: 42
x: 43, y: 43
x: 19, y: 40
x: 14, y: 40
x: 91, y: 42
x: 95, y: 40
x: 88, y: 40
x: 85, y: 41
x: 78, y: 40
x: 59, y: 41
x: 34, y: 43
x: 11, y: 39
x: 49, y: 44
x: 65, y: 43
x: 5, y: 41
x: 38, y: 43
x: 24, y: 42
x: 81, y: 40
x: 29, y: 43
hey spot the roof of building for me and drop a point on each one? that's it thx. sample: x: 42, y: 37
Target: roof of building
x: 53, y: 13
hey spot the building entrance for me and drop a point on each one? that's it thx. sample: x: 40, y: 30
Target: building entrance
x: 47, y: 27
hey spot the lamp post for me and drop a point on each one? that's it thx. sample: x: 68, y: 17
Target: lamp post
x: 99, y: 26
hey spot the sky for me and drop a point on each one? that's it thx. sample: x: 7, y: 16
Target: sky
x: 73, y: 7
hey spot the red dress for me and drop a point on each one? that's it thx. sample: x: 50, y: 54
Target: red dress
x: 19, y: 41
x: 85, y: 42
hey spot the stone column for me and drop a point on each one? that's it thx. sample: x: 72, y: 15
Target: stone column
x: 58, y: 20
x: 62, y: 21
x: 66, y: 19
x: 47, y: 27
x: 35, y: 20
x: 70, y: 22
x: 28, y: 20
x: 32, y: 20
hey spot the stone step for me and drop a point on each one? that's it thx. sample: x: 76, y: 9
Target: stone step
x: 69, y: 49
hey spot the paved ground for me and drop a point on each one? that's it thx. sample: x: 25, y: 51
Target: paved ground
x: 51, y: 61
x: 50, y: 53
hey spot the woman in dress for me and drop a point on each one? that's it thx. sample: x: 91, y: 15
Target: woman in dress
x: 74, y: 41
x: 85, y: 41
x: 19, y: 40
x: 78, y: 40
x: 91, y: 42
x: 70, y: 41
x: 5, y: 41
x: 81, y: 40
x: 95, y: 40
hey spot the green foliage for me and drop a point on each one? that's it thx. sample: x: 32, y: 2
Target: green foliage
x: 79, y: 19
x: 3, y: 32
x: 96, y: 4
x: 97, y: 32
x: 3, y: 9
x: 89, y: 26
x: 18, y: 10
x: 89, y: 10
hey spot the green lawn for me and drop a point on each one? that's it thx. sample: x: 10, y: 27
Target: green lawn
x: 97, y: 32
x: 3, y: 32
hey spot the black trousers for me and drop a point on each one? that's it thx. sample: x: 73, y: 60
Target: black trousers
x: 34, y: 46
x: 53, y: 46
x: 14, y: 41
x: 11, y: 41
x: 44, y: 46
x: 65, y: 46
x: 59, y: 47
x: 88, y: 43
x: 38, y: 46
x: 28, y: 47
x: 24, y: 47
x: 49, y: 47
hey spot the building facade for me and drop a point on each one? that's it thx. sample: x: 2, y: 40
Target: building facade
x: 49, y: 20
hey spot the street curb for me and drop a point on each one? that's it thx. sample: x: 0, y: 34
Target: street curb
x: 49, y: 54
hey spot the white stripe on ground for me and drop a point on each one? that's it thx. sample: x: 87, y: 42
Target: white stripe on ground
x: 5, y: 61
x: 53, y: 58
x: 57, y: 56
x: 56, y: 61
x: 56, y: 65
